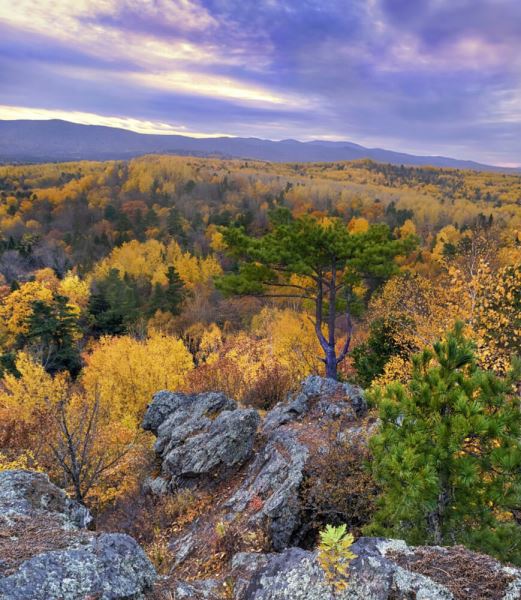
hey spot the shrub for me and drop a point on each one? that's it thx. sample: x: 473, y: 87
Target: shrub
x: 337, y: 488
x: 334, y: 554
x: 272, y: 386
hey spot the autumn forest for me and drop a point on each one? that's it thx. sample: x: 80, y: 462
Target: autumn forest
x: 122, y: 278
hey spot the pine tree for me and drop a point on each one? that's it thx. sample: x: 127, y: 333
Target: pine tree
x: 174, y: 225
x: 52, y: 332
x: 319, y: 262
x: 448, y: 453
x: 175, y: 291
x: 113, y: 305
x: 170, y: 297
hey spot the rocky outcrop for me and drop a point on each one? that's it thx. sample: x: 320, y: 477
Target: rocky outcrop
x: 261, y: 491
x: 383, y: 570
x: 200, y: 438
x: 46, y: 554
x: 327, y: 398
x: 271, y: 486
x: 205, y: 439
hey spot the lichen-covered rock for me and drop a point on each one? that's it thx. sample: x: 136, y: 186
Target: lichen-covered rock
x: 225, y: 443
x: 28, y: 492
x: 332, y: 399
x: 185, y: 406
x: 273, y: 480
x: 47, y: 555
x: 377, y: 573
x: 208, y: 589
x: 200, y: 437
x: 108, y: 567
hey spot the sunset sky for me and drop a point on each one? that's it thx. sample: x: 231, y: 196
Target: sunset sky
x: 421, y: 76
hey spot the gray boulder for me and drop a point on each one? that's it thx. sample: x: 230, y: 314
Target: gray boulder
x: 374, y: 575
x: 227, y: 442
x: 327, y: 398
x: 200, y: 437
x: 28, y: 492
x: 107, y: 567
x: 185, y: 406
x: 46, y: 554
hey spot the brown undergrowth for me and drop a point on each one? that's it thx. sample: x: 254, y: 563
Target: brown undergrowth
x: 22, y: 537
x: 468, y: 575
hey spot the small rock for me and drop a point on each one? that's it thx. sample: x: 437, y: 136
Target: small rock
x: 25, y: 492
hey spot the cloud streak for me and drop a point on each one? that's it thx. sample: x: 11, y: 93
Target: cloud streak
x: 431, y: 76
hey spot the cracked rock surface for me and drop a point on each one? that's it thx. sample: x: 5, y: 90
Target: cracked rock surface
x: 47, y: 554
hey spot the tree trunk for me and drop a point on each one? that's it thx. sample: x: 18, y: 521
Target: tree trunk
x: 331, y: 363
x: 331, y: 359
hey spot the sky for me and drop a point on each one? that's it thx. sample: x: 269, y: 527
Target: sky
x: 421, y: 76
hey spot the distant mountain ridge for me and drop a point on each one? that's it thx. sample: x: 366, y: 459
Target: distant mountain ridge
x: 56, y: 140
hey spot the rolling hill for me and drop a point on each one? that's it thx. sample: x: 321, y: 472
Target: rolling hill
x: 56, y: 140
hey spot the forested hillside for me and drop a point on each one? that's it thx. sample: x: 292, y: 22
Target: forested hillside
x: 119, y: 279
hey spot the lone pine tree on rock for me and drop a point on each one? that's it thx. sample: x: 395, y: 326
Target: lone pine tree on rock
x: 318, y: 261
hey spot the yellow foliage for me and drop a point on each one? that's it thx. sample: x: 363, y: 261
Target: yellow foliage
x: 16, y: 307
x: 358, y: 225
x: 210, y: 344
x: 76, y: 290
x: 419, y: 308
x: 290, y: 339
x: 448, y: 235
x: 33, y: 390
x: 40, y: 404
x: 151, y: 259
x: 487, y: 302
x: 497, y: 322
x: 279, y: 337
x: 216, y: 238
x: 47, y: 277
x: 396, y: 369
x: 407, y: 229
x: 334, y: 555
x: 126, y: 372
x: 24, y: 461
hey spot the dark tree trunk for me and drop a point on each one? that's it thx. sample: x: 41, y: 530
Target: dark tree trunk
x: 331, y: 363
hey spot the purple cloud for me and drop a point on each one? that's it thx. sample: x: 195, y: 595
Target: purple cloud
x: 432, y: 76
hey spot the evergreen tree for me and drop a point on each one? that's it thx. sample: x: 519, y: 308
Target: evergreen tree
x: 370, y: 357
x: 113, y: 305
x: 321, y: 263
x: 52, y: 332
x: 448, y: 453
x: 174, y: 225
x: 170, y: 297
x: 8, y: 364
x: 175, y: 291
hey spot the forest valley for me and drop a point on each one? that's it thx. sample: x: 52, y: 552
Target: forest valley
x: 119, y: 279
